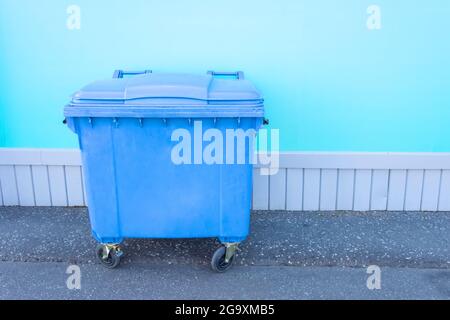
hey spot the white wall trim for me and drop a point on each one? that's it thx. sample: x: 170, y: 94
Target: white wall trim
x: 307, y: 181
x: 50, y: 157
x: 364, y: 160
x: 288, y: 160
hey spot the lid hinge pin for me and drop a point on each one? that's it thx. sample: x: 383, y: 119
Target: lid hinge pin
x: 90, y: 121
x: 165, y: 121
x: 239, y: 121
x: 190, y: 121
x: 215, y: 121
x: 141, y: 122
x: 116, y: 122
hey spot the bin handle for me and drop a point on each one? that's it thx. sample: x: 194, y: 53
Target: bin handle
x: 238, y: 74
x: 118, y: 74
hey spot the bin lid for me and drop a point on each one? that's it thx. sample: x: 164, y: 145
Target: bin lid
x: 162, y: 94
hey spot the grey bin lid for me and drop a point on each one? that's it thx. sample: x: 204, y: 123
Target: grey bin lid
x: 169, y: 86
x: 168, y: 95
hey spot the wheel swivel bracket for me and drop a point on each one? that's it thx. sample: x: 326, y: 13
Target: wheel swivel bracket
x: 108, y: 248
x: 231, y: 249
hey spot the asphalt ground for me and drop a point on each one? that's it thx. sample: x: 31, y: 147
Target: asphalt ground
x: 289, y: 255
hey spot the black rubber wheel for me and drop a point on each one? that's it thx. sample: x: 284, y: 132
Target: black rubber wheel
x: 113, y: 259
x: 218, y: 263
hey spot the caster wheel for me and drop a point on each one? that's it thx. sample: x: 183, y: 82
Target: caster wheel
x: 218, y: 263
x: 109, y: 259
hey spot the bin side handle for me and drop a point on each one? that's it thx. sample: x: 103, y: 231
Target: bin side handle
x: 118, y: 74
x: 238, y: 74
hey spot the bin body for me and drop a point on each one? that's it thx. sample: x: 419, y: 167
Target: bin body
x: 127, y: 135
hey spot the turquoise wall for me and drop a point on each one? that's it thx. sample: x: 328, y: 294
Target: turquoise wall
x: 330, y: 83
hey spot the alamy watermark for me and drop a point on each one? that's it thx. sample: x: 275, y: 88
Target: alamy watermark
x: 231, y: 146
x: 73, y: 281
x: 374, y: 19
x: 74, y: 17
x: 374, y: 280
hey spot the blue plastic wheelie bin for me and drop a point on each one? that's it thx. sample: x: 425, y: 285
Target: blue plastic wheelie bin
x: 168, y: 156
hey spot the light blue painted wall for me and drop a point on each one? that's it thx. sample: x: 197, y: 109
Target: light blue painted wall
x: 330, y: 83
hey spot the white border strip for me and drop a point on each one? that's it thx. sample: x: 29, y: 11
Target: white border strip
x: 308, y: 181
